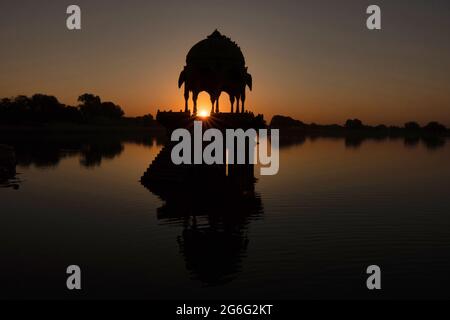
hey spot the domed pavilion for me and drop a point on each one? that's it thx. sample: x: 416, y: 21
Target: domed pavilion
x: 215, y: 65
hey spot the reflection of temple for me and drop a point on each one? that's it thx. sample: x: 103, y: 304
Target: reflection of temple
x: 214, y: 207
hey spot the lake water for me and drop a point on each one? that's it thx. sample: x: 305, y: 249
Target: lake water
x: 334, y: 208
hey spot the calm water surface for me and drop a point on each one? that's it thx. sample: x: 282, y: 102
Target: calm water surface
x: 333, y: 209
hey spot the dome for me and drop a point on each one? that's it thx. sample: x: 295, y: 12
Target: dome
x: 216, y: 48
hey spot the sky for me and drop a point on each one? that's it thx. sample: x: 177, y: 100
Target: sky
x: 314, y: 60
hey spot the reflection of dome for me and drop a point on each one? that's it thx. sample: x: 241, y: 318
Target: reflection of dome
x: 216, y: 47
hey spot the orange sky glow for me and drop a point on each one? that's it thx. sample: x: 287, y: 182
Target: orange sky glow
x: 314, y: 64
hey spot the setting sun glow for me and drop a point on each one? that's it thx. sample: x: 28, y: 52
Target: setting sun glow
x: 203, y: 113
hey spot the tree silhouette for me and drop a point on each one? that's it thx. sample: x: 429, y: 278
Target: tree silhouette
x: 354, y: 124
x: 435, y: 127
x: 111, y: 110
x: 92, y: 107
x: 412, y: 126
x: 42, y: 108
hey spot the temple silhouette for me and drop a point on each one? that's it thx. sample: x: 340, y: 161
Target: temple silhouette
x: 213, y: 203
x: 215, y: 65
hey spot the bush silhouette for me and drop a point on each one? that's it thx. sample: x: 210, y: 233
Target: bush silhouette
x: 435, y: 127
x: 412, y: 126
x: 354, y: 124
x: 92, y: 107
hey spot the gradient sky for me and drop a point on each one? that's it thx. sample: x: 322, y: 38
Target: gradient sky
x: 314, y: 60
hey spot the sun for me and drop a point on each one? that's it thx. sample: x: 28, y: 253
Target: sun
x: 203, y: 114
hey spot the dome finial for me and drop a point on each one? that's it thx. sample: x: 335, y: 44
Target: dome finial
x: 216, y: 34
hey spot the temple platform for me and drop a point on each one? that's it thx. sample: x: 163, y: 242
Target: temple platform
x: 223, y: 120
x: 163, y: 175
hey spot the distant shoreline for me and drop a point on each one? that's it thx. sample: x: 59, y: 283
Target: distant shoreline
x: 370, y: 132
x: 355, y: 127
x: 307, y: 130
x: 287, y: 126
x: 79, y: 128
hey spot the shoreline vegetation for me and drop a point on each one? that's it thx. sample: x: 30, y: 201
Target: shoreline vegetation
x: 70, y: 128
x: 433, y: 135
x: 287, y: 124
x: 44, y: 113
